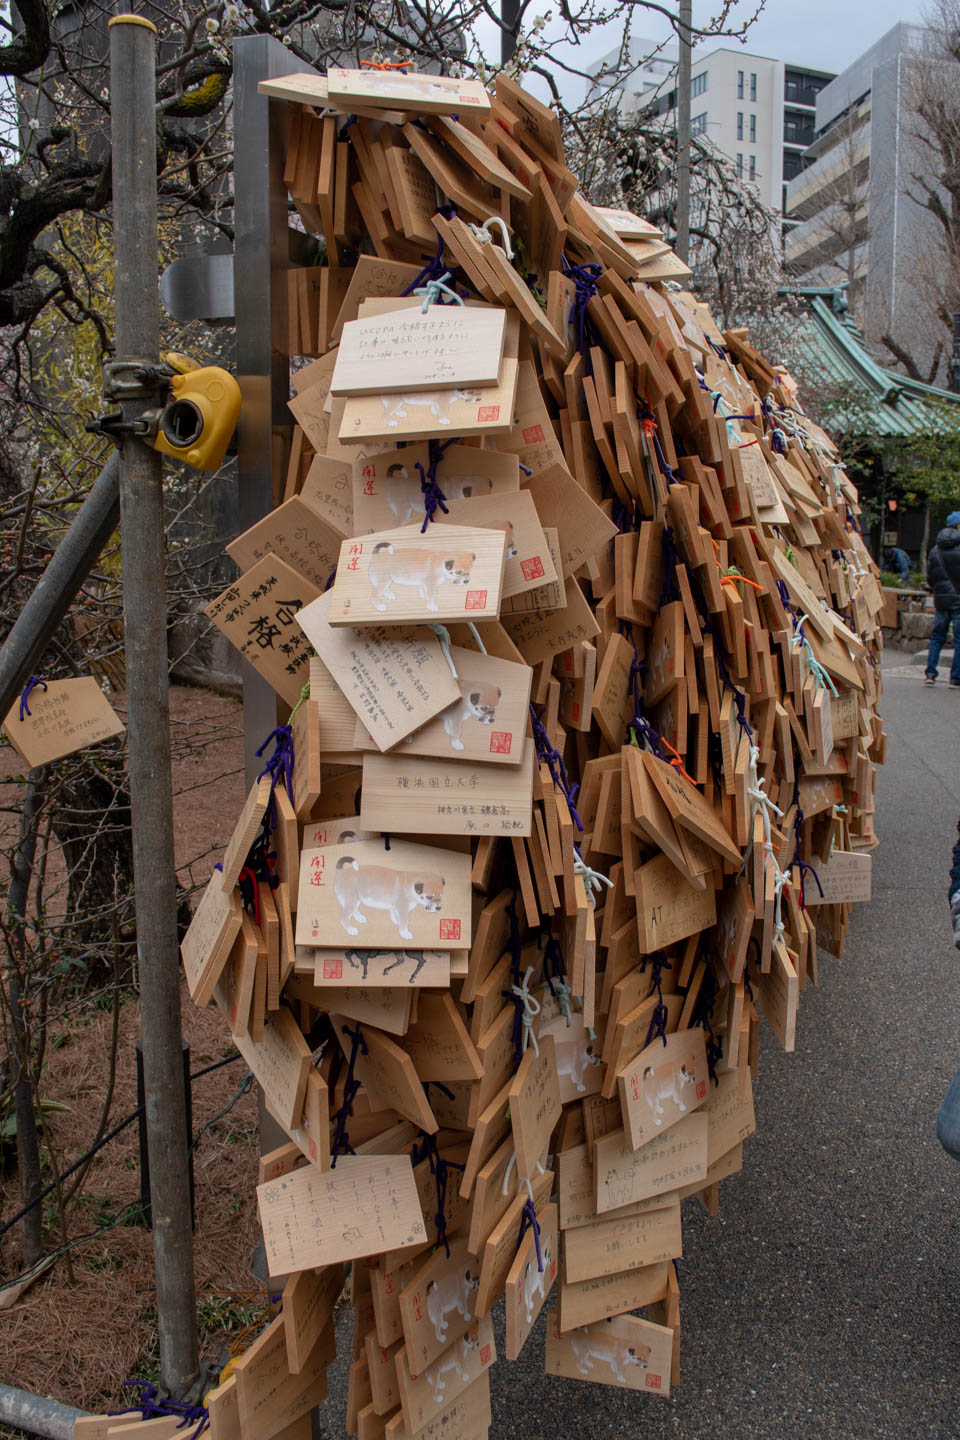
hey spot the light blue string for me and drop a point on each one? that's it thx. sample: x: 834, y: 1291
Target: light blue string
x: 822, y: 680
x: 435, y: 290
x: 443, y: 635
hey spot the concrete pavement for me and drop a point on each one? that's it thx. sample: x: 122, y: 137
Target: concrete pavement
x: 824, y: 1301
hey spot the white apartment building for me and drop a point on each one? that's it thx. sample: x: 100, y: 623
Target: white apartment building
x: 752, y: 108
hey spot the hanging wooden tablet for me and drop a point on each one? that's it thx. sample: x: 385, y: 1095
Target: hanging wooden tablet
x: 438, y: 413
x: 409, y: 892
x: 454, y: 1373
x: 422, y: 93
x: 298, y: 535
x: 375, y: 969
x: 663, y: 1083
x: 397, y: 577
x: 624, y: 1351
x: 449, y: 346
x: 447, y: 797
x: 396, y: 680
x: 623, y: 1175
x: 60, y: 717
x: 210, y: 935
x: 258, y: 614
x: 364, y: 1205
x: 528, y: 560
x: 531, y: 1278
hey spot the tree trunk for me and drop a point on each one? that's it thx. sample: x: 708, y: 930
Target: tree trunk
x: 28, y: 1139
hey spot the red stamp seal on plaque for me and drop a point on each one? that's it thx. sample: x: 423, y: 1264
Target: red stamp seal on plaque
x: 533, y: 435
x: 653, y: 1382
x: 485, y: 1355
x: 701, y: 1089
x: 500, y: 742
x: 333, y: 969
x: 449, y: 929
x: 488, y: 413
x: 476, y: 600
x: 532, y: 569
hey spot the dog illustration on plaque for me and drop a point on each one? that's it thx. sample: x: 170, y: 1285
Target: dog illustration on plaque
x: 403, y: 492
x: 438, y: 402
x: 400, y: 892
x: 507, y: 527
x: 456, y: 1358
x: 535, y: 1280
x: 591, y: 1345
x: 478, y: 702
x: 573, y: 1062
x: 400, y: 958
x: 423, y: 570
x: 453, y: 1292
x: 667, y: 1082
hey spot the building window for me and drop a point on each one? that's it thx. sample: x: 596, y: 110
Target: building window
x: 739, y: 166
x: 753, y: 167
x: 739, y: 124
x: 739, y: 84
x: 698, y: 124
x: 698, y: 84
x: 753, y: 87
x: 753, y: 130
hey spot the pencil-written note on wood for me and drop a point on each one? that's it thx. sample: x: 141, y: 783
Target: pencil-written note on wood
x: 366, y: 1205
x: 449, y: 345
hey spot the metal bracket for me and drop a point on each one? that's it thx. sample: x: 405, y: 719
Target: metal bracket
x: 134, y: 379
x: 116, y: 428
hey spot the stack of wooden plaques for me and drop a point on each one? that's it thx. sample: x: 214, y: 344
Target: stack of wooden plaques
x: 591, y: 641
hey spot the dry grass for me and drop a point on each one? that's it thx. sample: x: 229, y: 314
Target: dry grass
x: 77, y: 1342
x: 102, y: 1324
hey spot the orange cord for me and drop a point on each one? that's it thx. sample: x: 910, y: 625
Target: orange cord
x: 676, y: 762
x: 386, y: 64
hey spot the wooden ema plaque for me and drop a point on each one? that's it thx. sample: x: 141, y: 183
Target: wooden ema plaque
x: 398, y: 577
x: 258, y: 613
x: 451, y: 345
x: 409, y: 892
x: 531, y: 1280
x: 395, y: 680
x: 60, y: 718
x: 487, y: 723
x: 374, y: 969
x: 664, y: 1083
x: 447, y: 797
x: 423, y: 94
x: 388, y: 488
x: 624, y: 1351
x: 453, y: 1373
x: 365, y: 1205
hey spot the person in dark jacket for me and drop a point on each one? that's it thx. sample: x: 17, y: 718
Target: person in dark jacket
x: 943, y: 577
x: 948, y: 1116
x: 898, y: 561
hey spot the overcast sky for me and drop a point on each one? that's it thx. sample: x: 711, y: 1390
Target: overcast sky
x: 823, y: 34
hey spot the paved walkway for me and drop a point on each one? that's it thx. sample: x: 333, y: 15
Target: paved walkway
x: 824, y: 1301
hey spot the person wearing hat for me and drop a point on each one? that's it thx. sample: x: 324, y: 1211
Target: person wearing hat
x: 943, y: 577
x: 898, y: 561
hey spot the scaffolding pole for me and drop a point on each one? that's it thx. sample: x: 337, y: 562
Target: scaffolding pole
x: 133, y: 97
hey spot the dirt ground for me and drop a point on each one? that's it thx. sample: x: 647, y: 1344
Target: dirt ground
x: 77, y: 1340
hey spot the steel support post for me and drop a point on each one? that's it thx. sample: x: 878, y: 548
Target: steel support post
x: 685, y: 37
x: 261, y: 261
x: 54, y: 592
x: 133, y: 98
